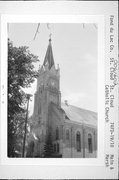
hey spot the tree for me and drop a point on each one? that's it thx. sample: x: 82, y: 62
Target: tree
x: 18, y: 133
x: 30, y: 149
x: 21, y: 74
x: 48, y: 147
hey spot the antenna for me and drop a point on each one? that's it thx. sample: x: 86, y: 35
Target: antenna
x: 49, y: 28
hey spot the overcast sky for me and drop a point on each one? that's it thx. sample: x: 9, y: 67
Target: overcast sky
x: 74, y: 49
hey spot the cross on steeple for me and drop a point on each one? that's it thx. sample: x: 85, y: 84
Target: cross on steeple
x: 50, y: 37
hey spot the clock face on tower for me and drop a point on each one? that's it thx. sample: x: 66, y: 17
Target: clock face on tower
x: 52, y: 83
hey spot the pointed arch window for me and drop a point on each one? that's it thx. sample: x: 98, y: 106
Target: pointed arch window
x: 67, y: 134
x: 90, y: 145
x: 78, y: 141
x: 57, y: 133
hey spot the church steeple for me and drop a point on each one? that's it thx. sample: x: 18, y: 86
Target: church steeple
x: 48, y: 86
x: 49, y: 76
x: 49, y: 59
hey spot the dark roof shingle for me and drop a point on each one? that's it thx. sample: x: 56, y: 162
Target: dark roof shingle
x: 80, y: 115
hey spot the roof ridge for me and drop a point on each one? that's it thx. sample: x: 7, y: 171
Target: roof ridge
x: 78, y: 107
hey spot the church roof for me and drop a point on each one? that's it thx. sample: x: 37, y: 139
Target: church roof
x: 80, y: 115
x: 49, y: 60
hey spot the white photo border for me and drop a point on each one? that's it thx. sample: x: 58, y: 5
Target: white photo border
x: 23, y: 170
x: 99, y: 21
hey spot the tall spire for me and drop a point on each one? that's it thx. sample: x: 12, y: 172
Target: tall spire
x: 49, y: 60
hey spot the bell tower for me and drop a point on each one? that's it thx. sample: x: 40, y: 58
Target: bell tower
x: 48, y: 87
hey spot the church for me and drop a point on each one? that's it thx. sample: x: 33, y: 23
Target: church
x: 59, y: 130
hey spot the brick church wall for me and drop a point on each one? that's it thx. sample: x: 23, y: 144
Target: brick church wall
x: 68, y: 148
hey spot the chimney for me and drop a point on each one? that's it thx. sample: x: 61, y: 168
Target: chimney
x: 66, y: 102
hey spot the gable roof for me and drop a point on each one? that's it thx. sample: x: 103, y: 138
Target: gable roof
x: 80, y: 115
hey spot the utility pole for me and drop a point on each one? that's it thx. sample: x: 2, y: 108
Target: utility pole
x: 83, y: 141
x: 71, y: 142
x: 25, y: 127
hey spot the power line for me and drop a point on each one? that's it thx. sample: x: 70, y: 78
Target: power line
x: 37, y: 31
x: 93, y: 25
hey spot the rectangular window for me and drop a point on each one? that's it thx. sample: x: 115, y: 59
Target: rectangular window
x: 54, y: 147
x: 58, y: 147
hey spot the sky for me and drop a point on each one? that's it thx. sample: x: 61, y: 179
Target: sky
x: 74, y: 49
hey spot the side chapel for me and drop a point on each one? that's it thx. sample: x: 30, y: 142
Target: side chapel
x: 59, y: 129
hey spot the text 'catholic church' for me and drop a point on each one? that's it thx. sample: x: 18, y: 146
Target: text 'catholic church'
x: 59, y: 130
